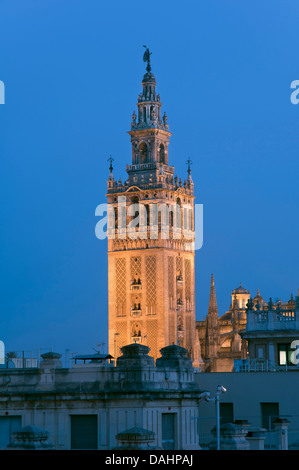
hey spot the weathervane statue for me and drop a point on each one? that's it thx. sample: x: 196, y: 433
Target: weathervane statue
x: 189, y: 163
x: 147, y: 58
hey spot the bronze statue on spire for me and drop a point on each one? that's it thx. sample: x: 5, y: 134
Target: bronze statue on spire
x: 189, y: 163
x: 147, y: 58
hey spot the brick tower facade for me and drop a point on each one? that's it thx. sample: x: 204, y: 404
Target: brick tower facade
x: 151, y: 254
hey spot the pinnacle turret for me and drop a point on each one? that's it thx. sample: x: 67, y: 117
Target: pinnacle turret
x: 212, y: 331
x: 213, y: 309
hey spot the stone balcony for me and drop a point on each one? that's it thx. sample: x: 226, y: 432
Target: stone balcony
x: 136, y: 287
x: 272, y: 320
x: 153, y: 124
x: 136, y: 312
x: 136, y: 339
x: 180, y: 332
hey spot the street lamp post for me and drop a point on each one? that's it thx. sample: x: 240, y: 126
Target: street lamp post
x: 220, y: 389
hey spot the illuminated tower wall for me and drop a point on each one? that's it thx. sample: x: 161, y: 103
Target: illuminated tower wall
x: 151, y: 279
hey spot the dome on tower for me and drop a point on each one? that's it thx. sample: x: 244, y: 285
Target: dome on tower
x: 240, y: 290
x: 291, y: 302
x: 258, y: 297
x: 149, y: 78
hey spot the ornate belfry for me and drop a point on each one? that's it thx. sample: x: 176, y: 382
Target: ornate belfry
x: 151, y: 250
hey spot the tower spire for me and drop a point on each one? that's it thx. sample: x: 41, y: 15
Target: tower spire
x: 149, y: 136
x: 213, y: 308
x: 212, y: 330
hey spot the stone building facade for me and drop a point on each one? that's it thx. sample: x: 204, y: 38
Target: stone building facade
x: 150, y: 240
x: 256, y: 399
x: 219, y: 336
x: 272, y: 334
x: 88, y: 405
x: 246, y: 330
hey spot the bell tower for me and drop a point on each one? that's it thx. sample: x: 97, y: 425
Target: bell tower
x: 151, y: 254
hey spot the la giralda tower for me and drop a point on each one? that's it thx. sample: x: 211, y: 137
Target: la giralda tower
x: 150, y: 259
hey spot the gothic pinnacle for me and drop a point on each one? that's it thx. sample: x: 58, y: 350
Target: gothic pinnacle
x: 213, y: 309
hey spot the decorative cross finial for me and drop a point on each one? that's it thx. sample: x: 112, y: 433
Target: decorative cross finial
x: 147, y: 58
x: 110, y: 159
x: 189, y: 163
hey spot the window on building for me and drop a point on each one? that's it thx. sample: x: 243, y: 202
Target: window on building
x: 226, y: 413
x: 187, y: 217
x: 260, y: 351
x: 162, y: 153
x: 143, y: 152
x: 285, y: 355
x: 178, y: 213
x: 269, y: 412
x: 171, y: 216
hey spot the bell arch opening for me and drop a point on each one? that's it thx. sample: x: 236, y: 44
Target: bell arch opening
x: 143, y: 151
x: 162, y: 153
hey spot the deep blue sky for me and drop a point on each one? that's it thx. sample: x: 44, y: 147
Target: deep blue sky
x: 72, y: 71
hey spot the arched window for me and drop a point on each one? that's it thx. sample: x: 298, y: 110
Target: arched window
x: 171, y: 218
x: 135, y: 211
x: 162, y: 154
x: 143, y: 152
x: 116, y: 217
x: 147, y: 221
x: 178, y: 213
x: 136, y: 332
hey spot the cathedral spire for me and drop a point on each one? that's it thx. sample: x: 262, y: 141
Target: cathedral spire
x: 213, y: 309
x: 212, y: 331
